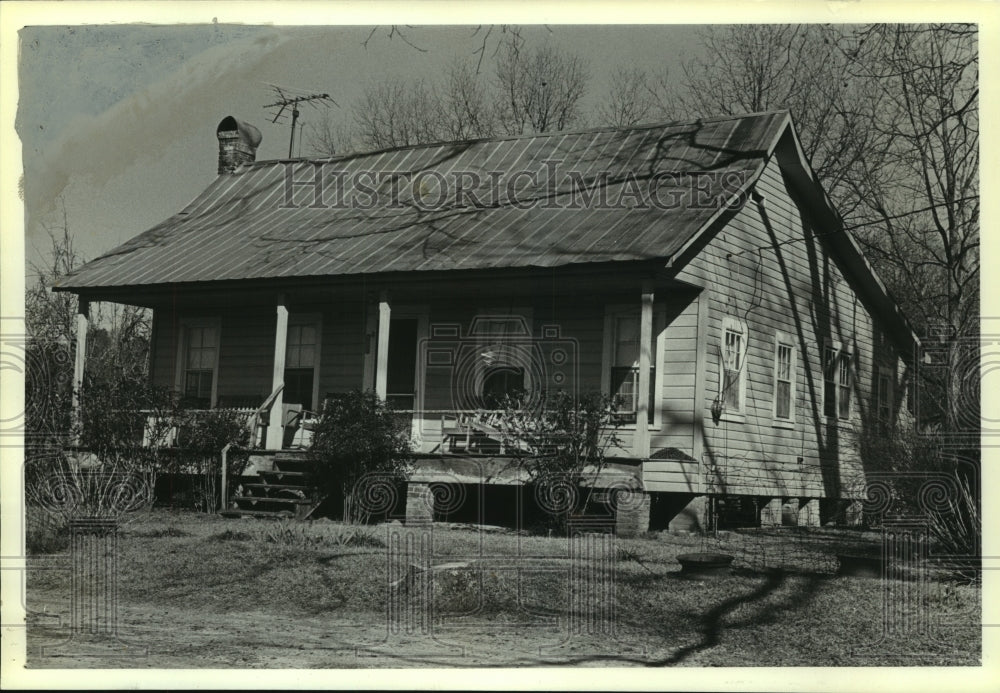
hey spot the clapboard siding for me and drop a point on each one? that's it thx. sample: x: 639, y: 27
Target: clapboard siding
x: 342, y: 351
x: 671, y: 476
x: 246, y: 356
x: 767, y: 269
x: 164, y: 348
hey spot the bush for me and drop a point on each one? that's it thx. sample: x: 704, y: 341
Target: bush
x: 119, y: 473
x: 116, y: 414
x: 906, y: 462
x: 45, y: 533
x: 203, y: 434
x: 358, y: 434
x: 906, y: 456
x: 561, y: 445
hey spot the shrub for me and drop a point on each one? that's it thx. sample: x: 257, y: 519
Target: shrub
x: 358, y: 434
x: 561, y: 445
x: 45, y: 533
x: 953, y: 508
x: 906, y: 456
x: 203, y: 435
x: 956, y: 528
x: 119, y: 472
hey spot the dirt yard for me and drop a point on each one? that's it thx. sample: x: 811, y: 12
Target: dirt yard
x: 200, y: 591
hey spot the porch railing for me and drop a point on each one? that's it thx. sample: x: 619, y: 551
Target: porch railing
x: 258, y: 419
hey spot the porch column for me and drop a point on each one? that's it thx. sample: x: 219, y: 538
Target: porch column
x: 275, y: 428
x: 80, y: 363
x: 640, y: 444
x: 382, y: 352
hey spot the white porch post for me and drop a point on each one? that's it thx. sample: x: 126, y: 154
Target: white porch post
x: 80, y: 364
x: 275, y: 429
x: 640, y: 444
x: 382, y: 358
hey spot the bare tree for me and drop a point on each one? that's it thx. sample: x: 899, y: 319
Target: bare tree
x: 48, y: 315
x: 634, y: 97
x: 117, y: 341
x: 396, y: 113
x: 534, y: 91
x: 918, y: 213
x: 538, y: 90
x: 330, y: 136
x: 465, y: 106
x: 753, y: 68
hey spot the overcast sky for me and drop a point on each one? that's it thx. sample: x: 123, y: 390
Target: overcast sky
x: 120, y: 120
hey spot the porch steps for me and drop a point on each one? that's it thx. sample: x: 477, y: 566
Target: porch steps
x: 287, y: 491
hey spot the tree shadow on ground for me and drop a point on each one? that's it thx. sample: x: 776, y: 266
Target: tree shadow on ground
x: 712, y: 624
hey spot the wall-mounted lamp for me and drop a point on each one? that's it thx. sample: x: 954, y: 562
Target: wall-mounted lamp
x: 717, y: 408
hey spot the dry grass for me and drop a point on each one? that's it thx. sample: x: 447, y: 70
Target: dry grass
x: 802, y: 615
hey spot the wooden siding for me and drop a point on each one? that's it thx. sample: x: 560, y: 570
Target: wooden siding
x: 247, y: 354
x: 163, y: 348
x: 342, y: 349
x: 766, y: 268
x: 680, y: 376
x: 247, y: 348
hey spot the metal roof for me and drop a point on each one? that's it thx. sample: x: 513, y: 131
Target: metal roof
x: 242, y: 227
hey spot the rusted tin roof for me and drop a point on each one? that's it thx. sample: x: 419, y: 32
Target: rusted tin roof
x: 661, y: 185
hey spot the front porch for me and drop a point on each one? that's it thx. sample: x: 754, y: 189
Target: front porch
x: 443, y: 351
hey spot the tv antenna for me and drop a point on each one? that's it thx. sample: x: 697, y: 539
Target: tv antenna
x: 290, y: 97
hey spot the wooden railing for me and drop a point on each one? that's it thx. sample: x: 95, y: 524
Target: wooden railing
x: 261, y: 419
x: 257, y: 423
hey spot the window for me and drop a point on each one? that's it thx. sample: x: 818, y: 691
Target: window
x: 625, y: 368
x: 503, y: 345
x: 837, y: 381
x: 301, y: 359
x: 844, y: 385
x: 502, y: 385
x: 733, y: 378
x: 784, y: 378
x: 199, y: 362
x: 883, y: 402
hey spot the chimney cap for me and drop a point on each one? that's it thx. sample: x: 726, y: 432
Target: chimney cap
x: 248, y: 133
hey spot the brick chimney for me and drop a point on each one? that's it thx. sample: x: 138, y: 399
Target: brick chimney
x: 238, y: 143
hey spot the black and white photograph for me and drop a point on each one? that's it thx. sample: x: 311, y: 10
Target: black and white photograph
x: 620, y: 341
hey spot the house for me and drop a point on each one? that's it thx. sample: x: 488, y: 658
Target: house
x: 696, y: 269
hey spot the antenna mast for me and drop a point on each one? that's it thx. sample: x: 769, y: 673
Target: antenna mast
x: 288, y: 96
